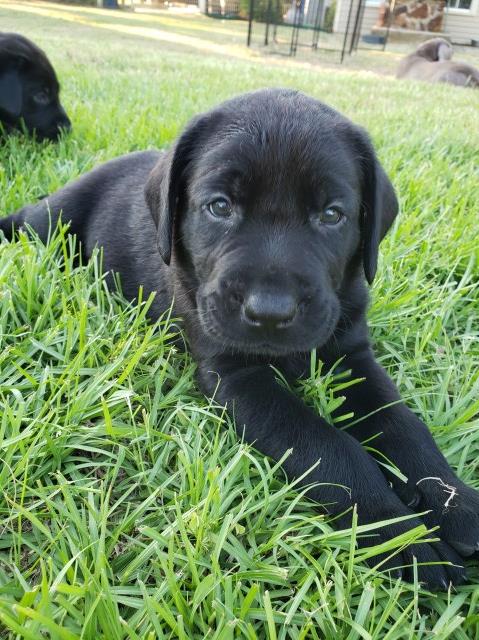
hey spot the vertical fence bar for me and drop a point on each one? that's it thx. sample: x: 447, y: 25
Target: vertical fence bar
x: 346, y: 32
x: 268, y: 23
x: 355, y: 28
x: 392, y: 6
x: 250, y: 22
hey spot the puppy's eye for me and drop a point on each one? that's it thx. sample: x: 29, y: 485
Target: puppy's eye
x: 220, y: 208
x: 331, y: 215
x: 41, y: 97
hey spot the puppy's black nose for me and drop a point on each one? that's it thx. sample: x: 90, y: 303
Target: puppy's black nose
x: 64, y: 123
x: 60, y: 125
x: 270, y: 310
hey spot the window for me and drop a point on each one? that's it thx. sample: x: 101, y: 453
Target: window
x: 460, y: 4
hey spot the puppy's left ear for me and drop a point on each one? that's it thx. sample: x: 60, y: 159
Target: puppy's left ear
x: 11, y: 94
x: 165, y: 189
x: 379, y: 206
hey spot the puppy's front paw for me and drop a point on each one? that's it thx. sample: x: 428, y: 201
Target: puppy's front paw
x: 454, y: 507
x: 438, y: 564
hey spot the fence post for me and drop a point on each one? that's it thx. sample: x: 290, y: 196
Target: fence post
x: 250, y: 22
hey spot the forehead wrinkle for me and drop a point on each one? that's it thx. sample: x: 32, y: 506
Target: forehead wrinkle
x: 297, y: 152
x: 217, y: 179
x: 276, y: 157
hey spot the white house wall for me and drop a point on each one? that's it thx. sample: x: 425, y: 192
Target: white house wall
x: 461, y: 27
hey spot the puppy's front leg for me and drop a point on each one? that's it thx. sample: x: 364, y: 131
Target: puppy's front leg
x: 276, y: 421
x: 395, y: 431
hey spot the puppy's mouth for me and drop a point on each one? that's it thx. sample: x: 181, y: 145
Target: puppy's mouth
x: 229, y: 332
x: 52, y: 134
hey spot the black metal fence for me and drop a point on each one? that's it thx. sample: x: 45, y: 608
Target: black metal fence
x: 288, y: 25
x: 305, y: 23
x: 237, y: 9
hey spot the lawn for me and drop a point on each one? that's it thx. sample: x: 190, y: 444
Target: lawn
x: 129, y: 507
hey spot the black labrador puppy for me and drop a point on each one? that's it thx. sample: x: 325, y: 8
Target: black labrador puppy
x: 29, y: 89
x: 261, y: 225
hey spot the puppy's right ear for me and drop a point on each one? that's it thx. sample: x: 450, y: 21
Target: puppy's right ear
x: 11, y: 93
x: 166, y: 185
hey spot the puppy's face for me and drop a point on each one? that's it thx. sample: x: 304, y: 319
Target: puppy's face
x: 435, y: 50
x: 41, y: 109
x: 270, y: 225
x: 29, y: 89
x: 270, y: 217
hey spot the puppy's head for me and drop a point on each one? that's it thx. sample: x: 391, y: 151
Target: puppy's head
x: 29, y: 89
x: 270, y: 203
x: 435, y: 50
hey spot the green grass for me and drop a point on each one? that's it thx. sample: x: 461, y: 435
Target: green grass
x: 129, y: 507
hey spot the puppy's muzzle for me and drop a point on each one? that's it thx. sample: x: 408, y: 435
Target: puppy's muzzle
x: 264, y: 305
x: 61, y: 124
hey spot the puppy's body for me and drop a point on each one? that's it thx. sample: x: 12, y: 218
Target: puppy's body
x: 262, y: 223
x: 106, y: 207
x: 432, y: 62
x: 29, y: 89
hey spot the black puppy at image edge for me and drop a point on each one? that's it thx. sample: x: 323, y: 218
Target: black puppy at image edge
x: 29, y: 89
x: 262, y: 223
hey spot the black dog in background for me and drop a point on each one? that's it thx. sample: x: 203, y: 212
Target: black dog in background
x: 262, y: 224
x: 29, y: 89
